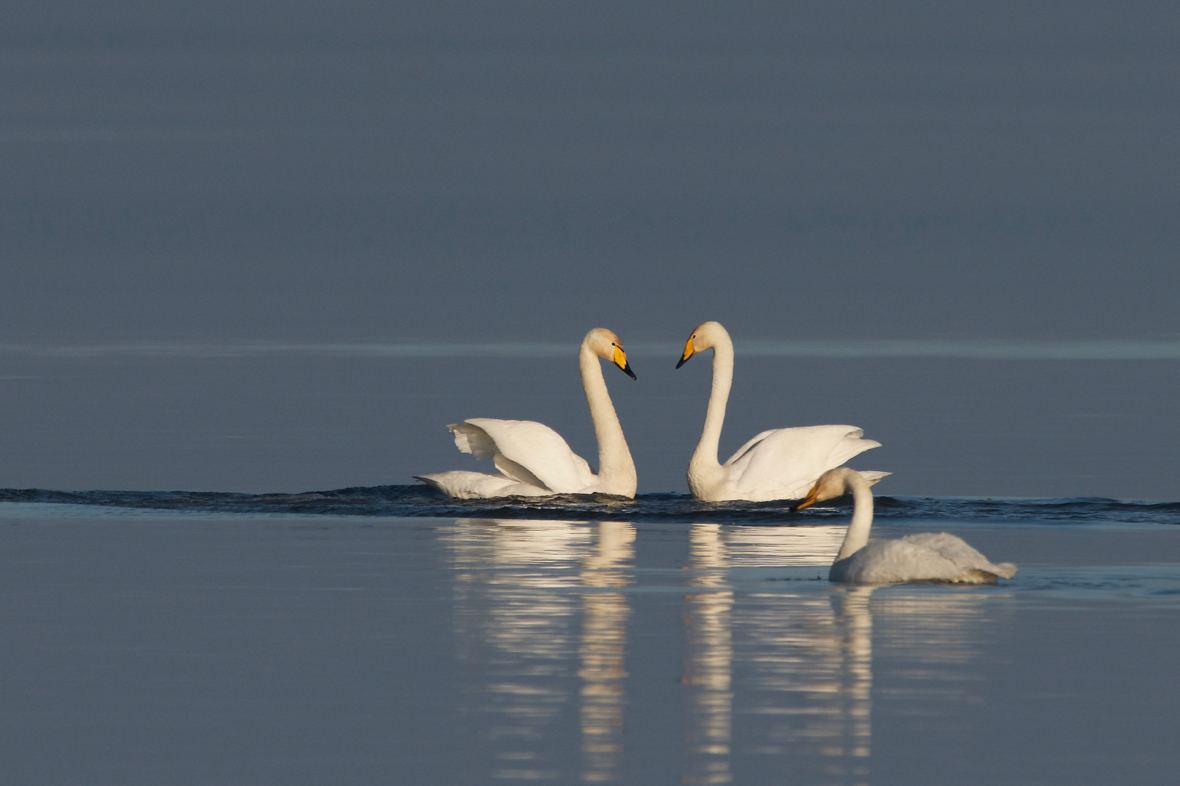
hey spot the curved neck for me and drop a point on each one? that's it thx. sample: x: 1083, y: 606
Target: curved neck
x: 616, y: 469
x: 706, y: 452
x: 862, y: 515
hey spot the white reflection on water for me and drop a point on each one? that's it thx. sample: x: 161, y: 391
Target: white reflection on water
x: 709, y: 665
x: 602, y: 649
x: 808, y: 661
x: 537, y: 647
x: 788, y: 673
x: 812, y: 546
x: 779, y: 665
x: 794, y: 636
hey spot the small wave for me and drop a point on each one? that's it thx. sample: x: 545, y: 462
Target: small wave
x: 419, y: 501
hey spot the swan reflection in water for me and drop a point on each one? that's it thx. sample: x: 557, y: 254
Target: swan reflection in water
x: 778, y: 664
x: 541, y: 632
x: 783, y: 669
x: 792, y: 637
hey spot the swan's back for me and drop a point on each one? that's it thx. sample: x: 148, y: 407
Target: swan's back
x: 925, y: 557
x: 961, y: 553
x: 783, y: 463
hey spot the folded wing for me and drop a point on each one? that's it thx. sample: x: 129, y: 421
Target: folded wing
x: 784, y: 463
x: 960, y: 553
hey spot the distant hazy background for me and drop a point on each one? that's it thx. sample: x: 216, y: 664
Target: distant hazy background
x: 192, y: 176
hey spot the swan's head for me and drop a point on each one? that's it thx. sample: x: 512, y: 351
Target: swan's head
x: 705, y: 336
x: 606, y: 345
x: 831, y: 484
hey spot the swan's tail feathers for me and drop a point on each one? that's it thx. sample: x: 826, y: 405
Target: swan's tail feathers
x: 474, y: 440
x: 1005, y: 570
x: 969, y: 576
x: 857, y: 434
x: 872, y: 475
x: 460, y: 484
x: 865, y: 444
x: 429, y: 481
x: 851, y: 443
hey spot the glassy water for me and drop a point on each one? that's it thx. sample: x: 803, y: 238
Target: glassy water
x: 147, y: 646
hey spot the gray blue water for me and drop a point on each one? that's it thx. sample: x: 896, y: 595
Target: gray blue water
x: 379, y: 635
x: 272, y: 247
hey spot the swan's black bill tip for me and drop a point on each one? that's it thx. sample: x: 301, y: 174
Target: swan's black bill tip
x: 682, y: 362
x: 627, y: 370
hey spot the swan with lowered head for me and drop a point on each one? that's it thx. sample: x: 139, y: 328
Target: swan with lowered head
x: 533, y: 459
x: 780, y: 463
x: 924, y: 557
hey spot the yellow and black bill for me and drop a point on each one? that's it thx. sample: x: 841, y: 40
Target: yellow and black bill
x: 807, y: 501
x: 620, y: 360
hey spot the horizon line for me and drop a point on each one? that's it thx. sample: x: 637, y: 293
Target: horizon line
x: 967, y: 349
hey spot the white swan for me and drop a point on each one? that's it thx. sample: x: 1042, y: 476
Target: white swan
x: 924, y: 557
x: 533, y: 459
x: 777, y: 464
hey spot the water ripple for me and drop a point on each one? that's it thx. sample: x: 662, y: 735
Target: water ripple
x: 419, y: 501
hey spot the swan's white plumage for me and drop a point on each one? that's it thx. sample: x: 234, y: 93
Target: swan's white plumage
x: 526, y: 451
x: 784, y: 462
x: 927, y: 556
x: 533, y: 459
x: 776, y: 464
x: 462, y: 484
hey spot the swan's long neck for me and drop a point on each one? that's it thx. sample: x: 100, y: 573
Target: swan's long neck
x: 706, y: 453
x: 862, y: 514
x: 616, y: 469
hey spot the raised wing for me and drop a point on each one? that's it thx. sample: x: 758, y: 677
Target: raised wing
x: 525, y: 451
x: 783, y: 463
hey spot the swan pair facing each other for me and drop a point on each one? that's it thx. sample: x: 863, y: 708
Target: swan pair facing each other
x: 534, y: 460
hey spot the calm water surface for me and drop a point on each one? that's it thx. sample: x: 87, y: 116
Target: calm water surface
x: 145, y: 646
